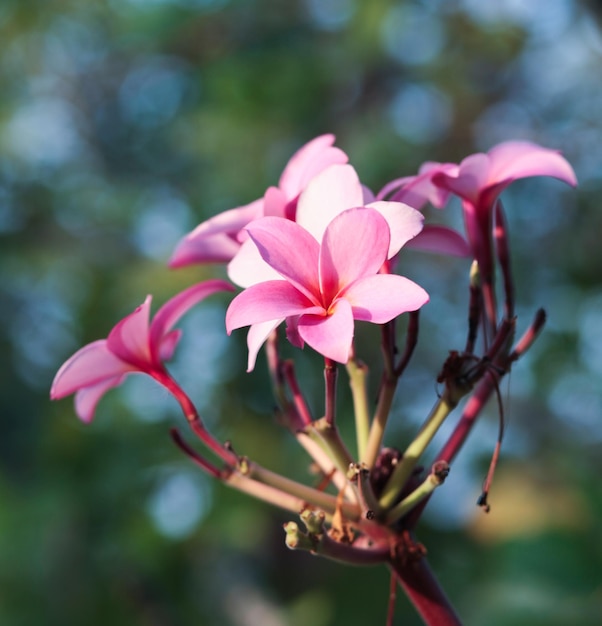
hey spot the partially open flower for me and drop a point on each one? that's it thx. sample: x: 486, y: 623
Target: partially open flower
x: 218, y: 239
x: 133, y: 346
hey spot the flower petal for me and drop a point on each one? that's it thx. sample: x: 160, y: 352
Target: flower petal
x: 417, y: 190
x: 90, y: 365
x: 290, y: 250
x: 264, y: 302
x: 468, y: 180
x: 248, y: 268
x: 218, y: 248
x: 380, y: 298
x: 169, y: 343
x: 215, y: 240
x: 355, y: 244
x: 332, y: 191
x: 404, y: 223
x: 441, y: 240
x: 170, y: 313
x: 256, y: 337
x: 308, y: 161
x: 520, y: 159
x: 274, y: 202
x: 330, y: 335
x: 129, y: 338
x: 87, y: 398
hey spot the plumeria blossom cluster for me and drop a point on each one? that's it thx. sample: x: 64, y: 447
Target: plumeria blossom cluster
x: 315, y: 254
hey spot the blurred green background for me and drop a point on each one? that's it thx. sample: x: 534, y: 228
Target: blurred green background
x: 123, y: 123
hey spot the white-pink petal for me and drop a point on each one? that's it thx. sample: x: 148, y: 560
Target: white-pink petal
x: 248, y: 268
x: 331, y: 192
x: 256, y: 337
x: 404, y: 223
x: 378, y: 299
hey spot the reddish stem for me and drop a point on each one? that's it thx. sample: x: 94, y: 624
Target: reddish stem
x: 303, y: 412
x: 194, y: 420
x: 194, y: 455
x: 502, y: 247
x: 424, y: 591
x: 411, y: 341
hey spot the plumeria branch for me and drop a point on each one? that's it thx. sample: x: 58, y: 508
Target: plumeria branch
x: 317, y: 252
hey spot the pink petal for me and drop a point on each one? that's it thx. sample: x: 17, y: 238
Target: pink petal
x: 90, y: 365
x: 332, y: 191
x: 292, y: 331
x: 394, y: 185
x: 424, y: 186
x: 215, y: 240
x: 168, y: 345
x: 520, y: 159
x: 219, y: 248
x: 274, y: 202
x: 256, y: 337
x: 380, y: 298
x: 404, y: 223
x: 309, y: 161
x: 330, y: 335
x: 290, y: 250
x: 416, y: 191
x: 129, y: 339
x: 367, y: 195
x: 87, y: 398
x: 264, y: 302
x: 469, y: 180
x: 355, y: 244
x: 248, y: 268
x: 441, y: 240
x: 171, y: 312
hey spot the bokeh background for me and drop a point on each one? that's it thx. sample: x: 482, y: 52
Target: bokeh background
x: 123, y: 123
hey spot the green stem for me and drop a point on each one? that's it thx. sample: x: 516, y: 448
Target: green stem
x: 328, y: 434
x: 414, y: 451
x: 431, y: 482
x: 377, y: 430
x: 317, y: 451
x: 358, y: 381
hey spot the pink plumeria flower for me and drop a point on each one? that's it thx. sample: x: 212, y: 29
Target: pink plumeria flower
x: 326, y: 283
x: 133, y: 346
x: 218, y: 239
x: 481, y: 177
x: 332, y: 191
